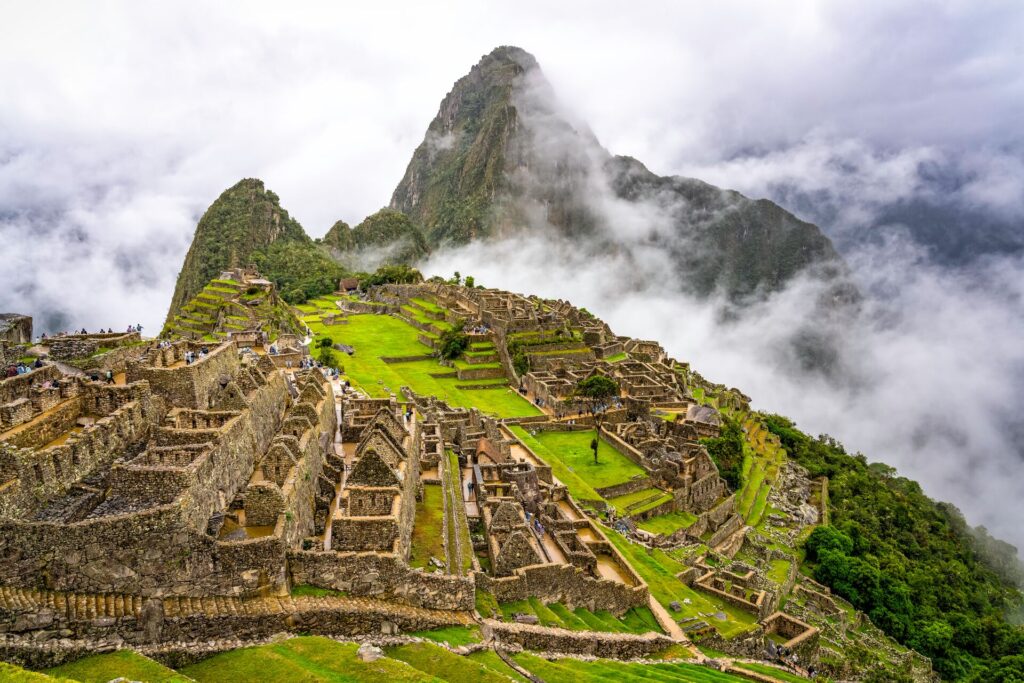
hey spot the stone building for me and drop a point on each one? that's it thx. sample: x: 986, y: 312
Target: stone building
x: 15, y: 328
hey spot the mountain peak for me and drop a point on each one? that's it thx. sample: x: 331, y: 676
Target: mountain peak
x: 244, y: 218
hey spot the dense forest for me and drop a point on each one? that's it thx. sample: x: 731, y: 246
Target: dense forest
x: 912, y: 564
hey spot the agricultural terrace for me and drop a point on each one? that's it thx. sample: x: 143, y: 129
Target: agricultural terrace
x: 383, y: 336
x: 659, y: 571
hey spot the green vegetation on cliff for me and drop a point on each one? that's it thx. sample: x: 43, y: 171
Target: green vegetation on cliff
x: 908, y: 562
x: 300, y: 270
x: 502, y: 151
x: 458, y: 170
x: 245, y: 218
x: 386, y: 237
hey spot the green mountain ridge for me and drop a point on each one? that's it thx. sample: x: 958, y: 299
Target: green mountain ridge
x: 502, y: 158
x: 244, y: 218
x: 386, y: 237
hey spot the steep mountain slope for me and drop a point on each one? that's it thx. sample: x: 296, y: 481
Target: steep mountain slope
x: 502, y: 158
x: 386, y: 237
x: 245, y: 218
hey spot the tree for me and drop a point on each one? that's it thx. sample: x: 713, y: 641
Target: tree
x: 401, y: 275
x: 328, y: 357
x: 597, y: 389
x: 300, y: 270
x: 470, y: 281
x: 726, y: 450
x: 454, y: 342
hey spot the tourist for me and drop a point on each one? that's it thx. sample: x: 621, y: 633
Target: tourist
x: 110, y: 376
x: 38, y: 363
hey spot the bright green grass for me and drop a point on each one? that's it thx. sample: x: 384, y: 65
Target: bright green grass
x: 427, y: 541
x: 573, y: 449
x: 453, y: 635
x: 376, y: 336
x: 658, y: 571
x: 445, y: 665
x: 574, y: 670
x: 427, y: 305
x: 492, y: 661
x: 779, y: 570
x: 458, y: 525
x: 106, y: 667
x: 654, y: 498
x: 309, y: 658
x: 485, y: 604
x: 579, y: 488
x: 772, y: 671
x: 675, y: 651
x: 668, y: 524
x: 556, y: 615
x: 15, y: 674
x: 616, y: 358
x: 302, y: 590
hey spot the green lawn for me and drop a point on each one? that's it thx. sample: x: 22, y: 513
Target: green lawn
x: 445, y: 665
x: 668, y: 524
x: 106, y: 667
x: 653, y: 498
x: 779, y: 570
x: 303, y: 590
x: 658, y: 571
x: 309, y: 658
x: 772, y: 671
x: 453, y: 635
x: 579, y: 488
x: 576, y: 671
x: 492, y: 661
x: 557, y: 615
x: 427, y: 541
x: 573, y: 449
x: 15, y: 674
x: 376, y: 336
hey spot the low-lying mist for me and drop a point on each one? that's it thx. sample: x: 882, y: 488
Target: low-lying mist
x: 928, y: 377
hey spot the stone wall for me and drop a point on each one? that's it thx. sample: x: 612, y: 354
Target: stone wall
x: 594, y: 643
x: 380, y: 575
x: 189, y: 386
x: 42, y: 628
x: 567, y: 584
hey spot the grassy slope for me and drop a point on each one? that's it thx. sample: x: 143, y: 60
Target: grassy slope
x: 15, y: 674
x: 605, y: 670
x: 579, y: 488
x: 445, y: 665
x: 376, y: 336
x: 308, y: 658
x: 772, y: 671
x: 427, y: 541
x: 667, y: 524
x: 659, y: 571
x: 106, y: 667
x: 557, y: 615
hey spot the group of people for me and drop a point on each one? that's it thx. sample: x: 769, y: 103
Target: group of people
x: 109, y: 330
x: 191, y: 357
x: 15, y: 369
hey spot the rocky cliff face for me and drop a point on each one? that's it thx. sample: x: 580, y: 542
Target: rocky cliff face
x: 245, y: 218
x: 502, y: 157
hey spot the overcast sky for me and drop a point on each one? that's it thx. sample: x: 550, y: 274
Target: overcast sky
x: 121, y: 122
